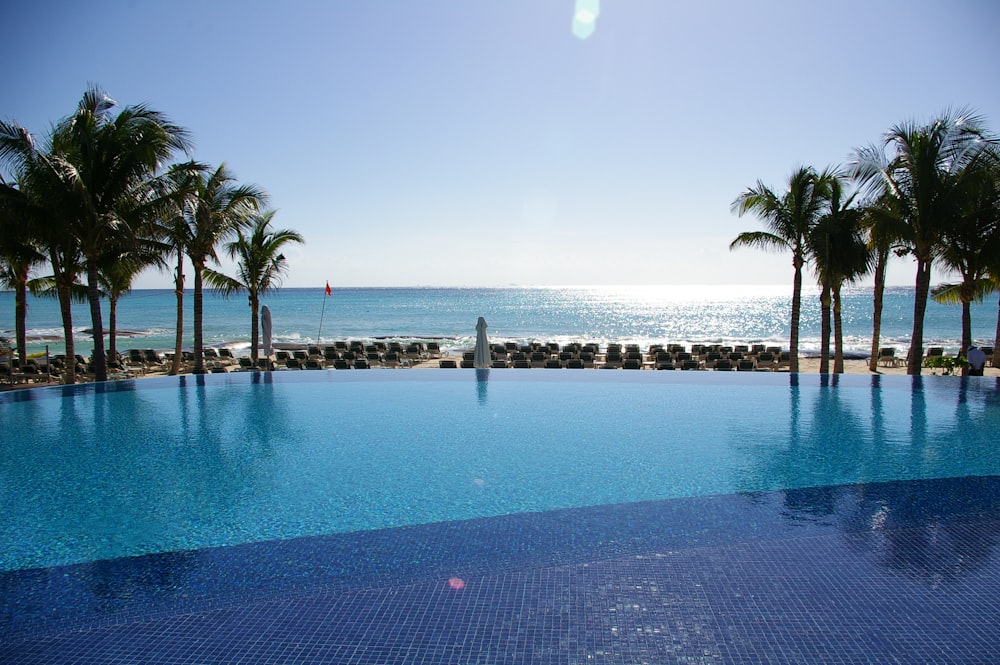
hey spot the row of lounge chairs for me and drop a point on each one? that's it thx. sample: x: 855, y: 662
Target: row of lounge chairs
x: 756, y: 357
x: 887, y: 356
x: 348, y: 355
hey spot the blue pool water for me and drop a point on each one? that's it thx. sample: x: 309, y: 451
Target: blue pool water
x: 172, y: 464
x: 514, y: 517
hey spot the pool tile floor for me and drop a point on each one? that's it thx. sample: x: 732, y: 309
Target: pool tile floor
x: 903, y: 572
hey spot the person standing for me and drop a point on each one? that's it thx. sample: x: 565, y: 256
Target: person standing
x: 977, y: 360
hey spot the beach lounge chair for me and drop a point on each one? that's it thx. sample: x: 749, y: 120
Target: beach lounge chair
x: 587, y: 358
x: 933, y: 352
x: 723, y: 365
x: 746, y: 365
x: 433, y: 350
x: 574, y: 363
x: 538, y: 358
x: 340, y: 363
x: 522, y: 364
x: 765, y: 360
x: 447, y: 363
x: 152, y: 358
x: 293, y: 363
x: 314, y: 363
x: 361, y: 363
x: 784, y: 360
x: 663, y: 360
x: 632, y: 363
x: 468, y: 364
x: 613, y: 359
x: 887, y: 357
x: 499, y: 363
x: 553, y: 363
x: 690, y: 364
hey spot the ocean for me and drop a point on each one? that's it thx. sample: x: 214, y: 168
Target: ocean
x: 625, y: 314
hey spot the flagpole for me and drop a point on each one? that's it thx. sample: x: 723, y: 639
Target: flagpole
x: 326, y: 293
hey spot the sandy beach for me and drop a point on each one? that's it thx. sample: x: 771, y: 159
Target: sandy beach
x: 807, y: 365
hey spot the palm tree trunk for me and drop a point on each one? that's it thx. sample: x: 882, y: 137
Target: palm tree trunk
x: 199, y: 350
x: 94, y: 296
x: 966, y: 331
x: 175, y: 365
x: 254, y: 327
x: 915, y: 358
x: 64, y: 283
x: 21, y: 315
x: 793, y: 335
x: 112, y: 328
x: 824, y: 335
x: 996, y: 340
x: 881, y: 262
x: 838, y: 333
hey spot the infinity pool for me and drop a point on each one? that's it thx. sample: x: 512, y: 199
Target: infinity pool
x: 128, y: 505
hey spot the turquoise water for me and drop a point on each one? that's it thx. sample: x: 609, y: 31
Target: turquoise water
x: 103, y: 471
x: 642, y: 315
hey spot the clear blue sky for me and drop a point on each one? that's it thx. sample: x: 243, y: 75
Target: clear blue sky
x: 475, y: 143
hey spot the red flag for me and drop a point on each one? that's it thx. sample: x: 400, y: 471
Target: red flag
x: 329, y: 291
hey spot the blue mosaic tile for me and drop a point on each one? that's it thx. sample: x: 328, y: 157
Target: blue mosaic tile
x: 904, y: 572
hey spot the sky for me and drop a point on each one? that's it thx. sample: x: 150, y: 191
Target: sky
x: 475, y: 143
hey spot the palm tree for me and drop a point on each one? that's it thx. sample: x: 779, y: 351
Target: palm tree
x: 839, y: 255
x: 260, y: 267
x: 18, y: 256
x: 879, y: 223
x: 215, y: 208
x: 116, y: 276
x: 107, y: 163
x: 178, y: 185
x: 971, y: 246
x: 39, y: 203
x: 788, y: 218
x: 926, y: 176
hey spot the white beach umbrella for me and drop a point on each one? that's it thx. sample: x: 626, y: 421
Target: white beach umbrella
x: 481, y: 358
x: 265, y: 329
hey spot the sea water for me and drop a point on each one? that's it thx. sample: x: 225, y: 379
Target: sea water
x: 642, y: 315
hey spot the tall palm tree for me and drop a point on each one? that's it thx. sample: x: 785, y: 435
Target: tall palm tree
x: 116, y: 275
x: 788, y: 218
x: 215, y: 209
x: 926, y: 175
x: 39, y: 203
x: 840, y: 255
x: 260, y: 265
x: 177, y: 186
x: 107, y: 163
x: 18, y: 256
x: 971, y: 246
x: 879, y: 221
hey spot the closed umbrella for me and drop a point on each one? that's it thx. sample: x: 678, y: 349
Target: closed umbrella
x: 481, y: 358
x: 265, y: 329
